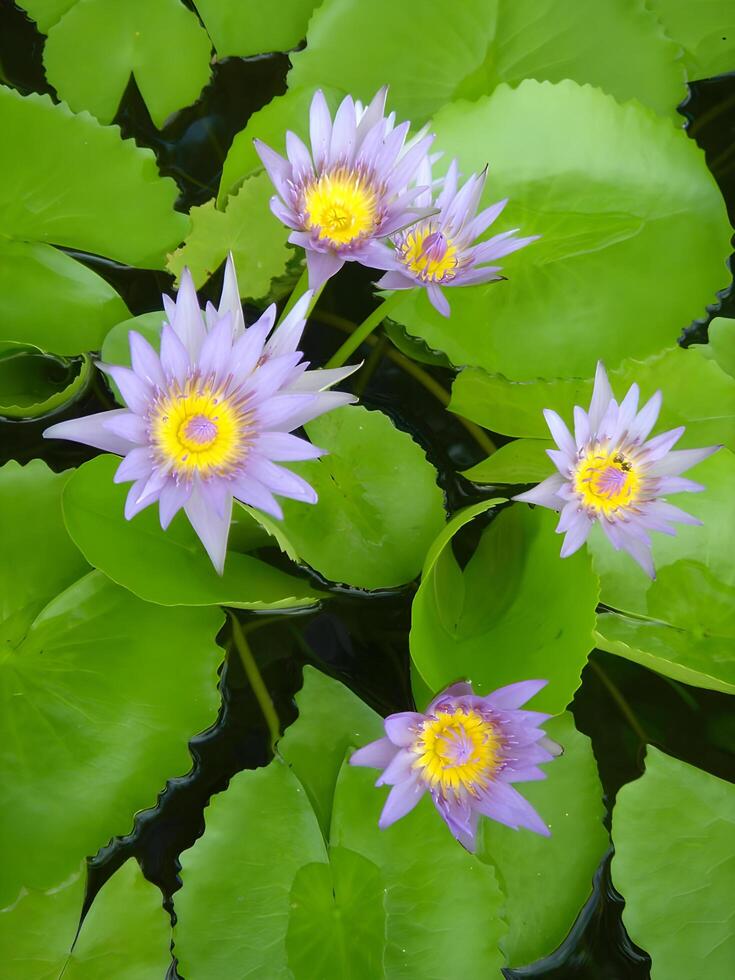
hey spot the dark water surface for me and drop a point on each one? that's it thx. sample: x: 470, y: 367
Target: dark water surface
x: 362, y: 639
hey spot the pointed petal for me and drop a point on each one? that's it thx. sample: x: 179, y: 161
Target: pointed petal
x: 135, y: 391
x: 438, y: 300
x: 174, y: 357
x: 322, y: 266
x: 576, y: 535
x: 209, y: 526
x: 282, y: 446
x: 90, y: 430
x: 137, y: 465
x: 144, y: 359
x: 601, y: 396
x: 646, y: 419
x: 545, y: 494
x: 679, y: 460
x: 401, y: 727
x: 320, y: 129
x: 250, y: 491
x: 279, y: 480
x: 560, y: 433
x: 172, y: 498
x: 375, y: 755
x: 230, y: 299
x: 514, y: 695
x: 188, y: 322
x: 401, y: 800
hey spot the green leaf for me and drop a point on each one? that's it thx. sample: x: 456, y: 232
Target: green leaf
x: 706, y: 31
x: 33, y: 384
x: 62, y: 193
x: 610, y: 226
x: 517, y: 611
x: 249, y: 27
x: 46, y: 12
x: 690, y: 631
x: 124, y: 930
x: 547, y: 880
x: 721, y: 345
x: 168, y: 567
x: 626, y: 588
x: 412, y: 347
x: 119, y: 39
x: 697, y: 393
x: 246, y: 228
x: 52, y: 302
x: 520, y: 461
x: 277, y: 899
x: 269, y: 124
x: 674, y: 863
x: 682, y: 624
x: 88, y: 725
x: 379, y: 506
x: 430, y: 57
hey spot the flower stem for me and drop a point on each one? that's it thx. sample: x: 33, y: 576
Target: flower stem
x: 296, y: 294
x: 364, y: 330
x: 256, y: 681
x: 423, y: 377
x: 617, y: 696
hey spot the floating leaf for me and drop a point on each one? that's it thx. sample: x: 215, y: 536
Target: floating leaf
x: 515, y: 612
x: 124, y: 929
x: 530, y: 868
x: 281, y: 900
x: 46, y: 12
x: 682, y: 624
x: 88, y: 724
x: 379, y: 506
x: 169, y: 567
x: 248, y: 27
x: 520, y: 461
x: 706, y: 31
x: 33, y: 384
x: 246, y: 228
x: 697, y: 393
x: 119, y: 39
x: 674, y: 862
x: 611, y: 225
x: 52, y: 302
x: 721, y: 345
x: 429, y: 59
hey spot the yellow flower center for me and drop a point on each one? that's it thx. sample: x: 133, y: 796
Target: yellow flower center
x: 457, y: 750
x: 341, y: 206
x: 199, y: 430
x: 430, y: 255
x: 606, y: 480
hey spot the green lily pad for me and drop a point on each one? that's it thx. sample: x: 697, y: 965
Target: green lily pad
x: 246, y: 228
x: 89, y: 731
x: 379, y: 506
x: 125, y: 929
x: 33, y: 384
x: 50, y: 301
x: 517, y: 611
x: 282, y: 900
x: 674, y: 863
x: 58, y: 197
x: 119, y: 39
x: 168, y: 567
x: 530, y: 868
x: 610, y: 226
x: 249, y: 27
x: 46, y: 12
x: 721, y: 346
x: 519, y: 461
x: 430, y: 58
x: 706, y: 31
x: 697, y: 393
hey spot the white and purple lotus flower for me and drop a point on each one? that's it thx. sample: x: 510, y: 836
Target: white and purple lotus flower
x: 209, y: 418
x: 465, y: 751
x: 610, y: 473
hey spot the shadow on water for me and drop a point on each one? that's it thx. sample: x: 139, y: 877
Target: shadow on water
x: 359, y: 638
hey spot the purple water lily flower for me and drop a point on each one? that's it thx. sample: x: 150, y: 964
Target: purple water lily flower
x: 208, y: 419
x: 465, y: 751
x: 440, y: 250
x: 351, y: 189
x: 611, y: 473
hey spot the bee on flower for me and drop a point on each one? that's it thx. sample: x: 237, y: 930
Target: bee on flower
x: 610, y: 473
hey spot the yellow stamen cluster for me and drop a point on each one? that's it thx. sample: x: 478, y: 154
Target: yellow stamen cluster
x: 199, y: 430
x: 423, y: 265
x: 342, y: 206
x: 457, y: 750
x: 607, y: 480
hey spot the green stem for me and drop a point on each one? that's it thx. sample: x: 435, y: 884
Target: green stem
x: 297, y: 292
x: 256, y: 681
x: 364, y: 330
x: 617, y: 696
x: 419, y: 374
